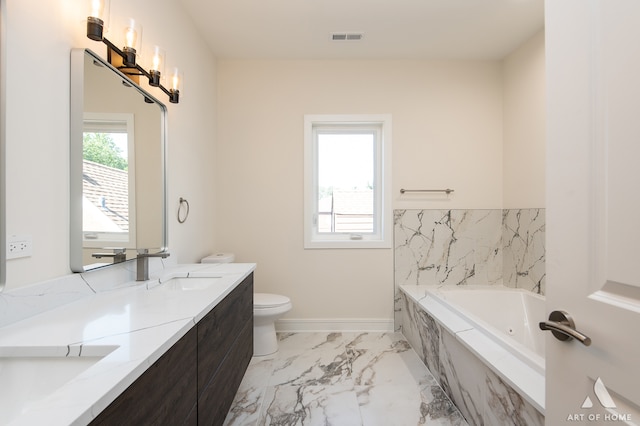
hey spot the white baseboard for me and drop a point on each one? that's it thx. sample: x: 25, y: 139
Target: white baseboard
x: 291, y: 325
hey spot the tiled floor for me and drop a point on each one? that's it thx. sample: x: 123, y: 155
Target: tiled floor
x: 341, y: 379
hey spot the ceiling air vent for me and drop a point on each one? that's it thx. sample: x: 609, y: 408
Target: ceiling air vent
x: 346, y: 36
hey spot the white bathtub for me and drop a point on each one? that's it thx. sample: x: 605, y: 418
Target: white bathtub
x: 499, y: 325
x: 508, y: 316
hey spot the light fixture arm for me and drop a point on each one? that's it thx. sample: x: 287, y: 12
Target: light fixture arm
x: 154, y: 80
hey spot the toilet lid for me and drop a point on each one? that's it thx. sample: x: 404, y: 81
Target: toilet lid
x: 268, y: 300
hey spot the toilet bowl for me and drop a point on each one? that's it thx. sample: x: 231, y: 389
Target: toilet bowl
x: 267, y: 308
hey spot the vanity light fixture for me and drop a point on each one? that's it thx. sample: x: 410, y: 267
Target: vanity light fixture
x: 125, y: 59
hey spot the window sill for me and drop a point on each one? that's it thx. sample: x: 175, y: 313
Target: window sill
x: 347, y: 244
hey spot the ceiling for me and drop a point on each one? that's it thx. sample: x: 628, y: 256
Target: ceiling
x: 393, y: 29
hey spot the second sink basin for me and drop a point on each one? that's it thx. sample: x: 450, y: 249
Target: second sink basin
x: 34, y: 373
x: 187, y: 284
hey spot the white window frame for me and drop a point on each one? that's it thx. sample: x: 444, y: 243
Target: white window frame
x: 382, y: 237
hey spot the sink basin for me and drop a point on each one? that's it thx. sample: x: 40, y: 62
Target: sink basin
x: 34, y: 373
x: 187, y: 284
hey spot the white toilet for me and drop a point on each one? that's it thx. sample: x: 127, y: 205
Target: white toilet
x: 267, y: 308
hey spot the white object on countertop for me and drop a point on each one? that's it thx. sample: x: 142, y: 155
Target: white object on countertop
x: 219, y: 258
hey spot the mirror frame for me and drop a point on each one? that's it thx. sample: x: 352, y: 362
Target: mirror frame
x: 3, y: 152
x: 75, y: 154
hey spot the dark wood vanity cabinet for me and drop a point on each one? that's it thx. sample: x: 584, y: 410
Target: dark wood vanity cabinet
x: 195, y: 381
x: 164, y: 394
x: 225, y: 347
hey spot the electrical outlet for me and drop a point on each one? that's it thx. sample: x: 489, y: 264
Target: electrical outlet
x: 18, y: 246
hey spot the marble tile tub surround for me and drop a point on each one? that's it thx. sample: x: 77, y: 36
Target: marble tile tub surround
x: 481, y: 395
x: 363, y: 379
x: 131, y: 324
x: 523, y: 249
x: 448, y: 247
x: 469, y: 247
x: 459, y: 247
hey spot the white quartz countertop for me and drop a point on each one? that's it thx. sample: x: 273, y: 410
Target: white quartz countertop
x: 65, y: 365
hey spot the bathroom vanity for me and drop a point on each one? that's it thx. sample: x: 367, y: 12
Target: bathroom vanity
x: 171, y: 350
x: 99, y: 347
x: 195, y: 381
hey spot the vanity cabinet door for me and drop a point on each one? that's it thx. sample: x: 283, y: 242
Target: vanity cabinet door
x: 164, y: 395
x: 217, y: 397
x: 225, y: 347
x: 220, y: 328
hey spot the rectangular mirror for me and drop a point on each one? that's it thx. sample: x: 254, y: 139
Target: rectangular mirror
x: 3, y: 91
x: 118, y: 188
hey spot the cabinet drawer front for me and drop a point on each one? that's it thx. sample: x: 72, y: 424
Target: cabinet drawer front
x: 164, y: 394
x: 217, y: 397
x: 221, y: 327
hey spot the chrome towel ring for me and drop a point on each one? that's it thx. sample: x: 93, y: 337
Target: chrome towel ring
x: 183, y: 217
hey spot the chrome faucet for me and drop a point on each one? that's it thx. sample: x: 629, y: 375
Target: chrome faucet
x: 142, y: 261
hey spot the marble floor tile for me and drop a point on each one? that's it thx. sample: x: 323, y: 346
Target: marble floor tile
x: 370, y: 367
x: 341, y: 379
x: 311, y: 368
x: 311, y: 405
x: 246, y: 406
x: 298, y: 342
x: 378, y: 341
x: 404, y: 405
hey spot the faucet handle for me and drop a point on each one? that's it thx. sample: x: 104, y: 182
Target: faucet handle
x: 145, y: 253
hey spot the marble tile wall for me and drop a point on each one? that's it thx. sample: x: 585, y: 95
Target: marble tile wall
x: 469, y: 247
x: 523, y: 249
x: 482, y: 397
x: 448, y: 247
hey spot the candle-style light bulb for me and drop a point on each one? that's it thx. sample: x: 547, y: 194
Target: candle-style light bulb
x: 97, y: 6
x: 130, y: 38
x: 97, y: 16
x: 132, y: 41
x: 176, y: 85
x: 157, y: 66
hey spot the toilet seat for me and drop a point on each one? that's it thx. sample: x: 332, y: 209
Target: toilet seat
x: 268, y: 300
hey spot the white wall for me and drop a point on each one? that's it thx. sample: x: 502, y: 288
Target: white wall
x: 524, y: 125
x: 40, y: 34
x: 246, y: 193
x: 447, y: 132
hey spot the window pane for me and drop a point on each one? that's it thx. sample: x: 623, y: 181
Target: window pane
x: 345, y: 182
x: 105, y: 185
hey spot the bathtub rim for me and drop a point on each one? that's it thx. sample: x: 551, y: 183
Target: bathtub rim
x: 528, y: 381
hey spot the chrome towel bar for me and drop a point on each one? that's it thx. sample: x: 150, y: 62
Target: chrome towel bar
x: 448, y: 190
